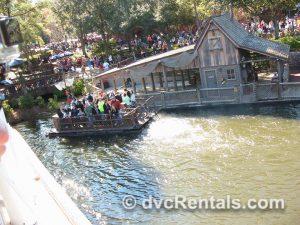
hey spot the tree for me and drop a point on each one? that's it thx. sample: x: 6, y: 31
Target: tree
x: 268, y: 10
x: 74, y: 17
x: 29, y: 17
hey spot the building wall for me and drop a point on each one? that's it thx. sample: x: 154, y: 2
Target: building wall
x: 221, y: 76
x: 218, y: 53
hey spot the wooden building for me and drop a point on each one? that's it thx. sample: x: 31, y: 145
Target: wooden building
x: 224, y: 52
x: 219, y: 68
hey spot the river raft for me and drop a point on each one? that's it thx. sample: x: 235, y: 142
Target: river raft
x: 131, y: 122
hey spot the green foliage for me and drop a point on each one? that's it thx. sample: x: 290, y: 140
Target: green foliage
x: 78, y: 87
x: 8, y: 110
x: 60, y: 94
x: 293, y: 41
x: 26, y: 101
x: 53, y: 103
x: 102, y: 47
x: 14, y: 103
x: 40, y: 101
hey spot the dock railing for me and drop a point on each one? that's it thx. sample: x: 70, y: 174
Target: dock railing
x: 213, y: 95
x: 245, y: 93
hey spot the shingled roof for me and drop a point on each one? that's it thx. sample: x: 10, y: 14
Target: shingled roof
x: 246, y: 40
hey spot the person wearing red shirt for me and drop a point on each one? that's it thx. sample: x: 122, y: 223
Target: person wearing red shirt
x: 115, y: 105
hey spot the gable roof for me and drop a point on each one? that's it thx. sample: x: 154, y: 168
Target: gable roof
x: 246, y: 40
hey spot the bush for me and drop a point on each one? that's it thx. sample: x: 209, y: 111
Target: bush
x: 78, y: 87
x: 40, y: 101
x: 8, y: 110
x: 101, y: 47
x: 26, y: 101
x: 60, y: 94
x: 14, y: 103
x: 53, y: 103
x: 293, y: 41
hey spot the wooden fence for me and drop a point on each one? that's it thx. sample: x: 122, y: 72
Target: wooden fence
x: 245, y: 93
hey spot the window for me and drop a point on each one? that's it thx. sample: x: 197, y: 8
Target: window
x: 230, y: 74
x: 214, y: 43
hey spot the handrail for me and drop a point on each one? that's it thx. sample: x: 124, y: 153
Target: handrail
x: 215, y: 89
x: 268, y: 84
x: 293, y: 83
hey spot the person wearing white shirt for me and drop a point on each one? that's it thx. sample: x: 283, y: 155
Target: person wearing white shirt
x: 106, y: 65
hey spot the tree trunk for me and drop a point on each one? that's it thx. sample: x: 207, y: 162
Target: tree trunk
x: 7, y: 6
x: 129, y: 46
x: 276, y: 29
x: 196, y: 15
x: 82, y: 41
x: 106, y: 47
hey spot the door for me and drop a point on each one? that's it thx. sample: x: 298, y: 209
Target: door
x: 211, y: 82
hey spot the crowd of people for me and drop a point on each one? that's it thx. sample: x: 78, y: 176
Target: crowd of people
x: 143, y: 46
x: 263, y: 28
x: 68, y: 64
x: 107, y: 105
x: 159, y: 43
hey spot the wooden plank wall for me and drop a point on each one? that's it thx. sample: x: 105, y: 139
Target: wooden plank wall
x: 228, y: 55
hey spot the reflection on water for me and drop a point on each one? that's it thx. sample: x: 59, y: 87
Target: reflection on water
x: 246, y: 152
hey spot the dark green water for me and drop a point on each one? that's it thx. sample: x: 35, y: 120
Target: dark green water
x: 246, y: 152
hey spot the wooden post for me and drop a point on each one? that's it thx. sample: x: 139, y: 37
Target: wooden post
x: 182, y: 79
x: 280, y: 70
x: 188, y: 73
x: 174, y: 81
x: 254, y: 91
x: 165, y: 79
x: 198, y: 94
x: 115, y: 85
x: 241, y: 91
x: 162, y: 99
x: 133, y: 85
x: 279, y: 88
x: 152, y: 81
x: 124, y: 83
x: 102, y: 85
x: 144, y: 85
x: 160, y: 80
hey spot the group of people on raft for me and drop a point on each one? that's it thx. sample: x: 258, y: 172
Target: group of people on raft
x: 104, y: 104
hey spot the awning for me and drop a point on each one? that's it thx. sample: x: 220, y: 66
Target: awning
x: 62, y: 85
x: 182, y: 61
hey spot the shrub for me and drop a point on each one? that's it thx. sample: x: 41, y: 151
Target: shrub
x: 14, y: 103
x: 60, y: 94
x: 8, y: 110
x: 53, y: 103
x: 293, y: 41
x: 101, y: 47
x: 78, y: 87
x: 26, y: 101
x: 40, y: 101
